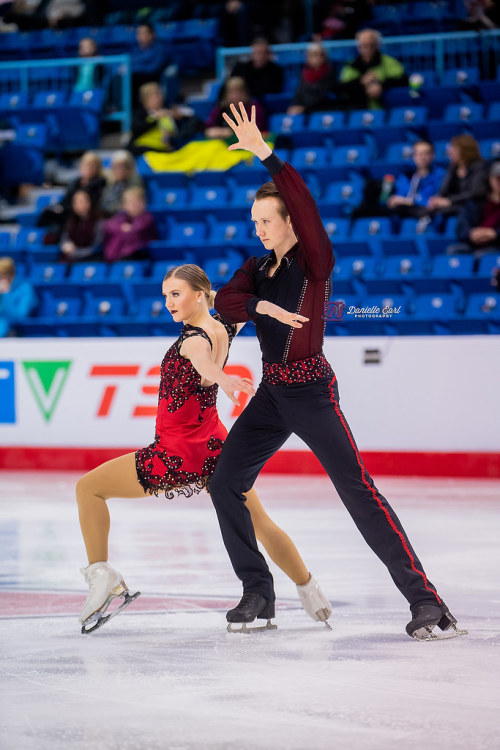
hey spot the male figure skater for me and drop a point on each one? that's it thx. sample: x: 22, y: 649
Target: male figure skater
x: 284, y: 292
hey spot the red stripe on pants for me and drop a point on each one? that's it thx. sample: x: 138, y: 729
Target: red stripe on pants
x: 372, y: 490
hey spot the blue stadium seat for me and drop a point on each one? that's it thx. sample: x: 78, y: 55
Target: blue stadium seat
x: 282, y: 123
x: 167, y: 197
x: 337, y: 228
x: 435, y: 307
x: 220, y: 270
x: 47, y: 100
x: 187, y: 234
x: 489, y: 91
x: 342, y: 194
x: 418, y: 228
x: 327, y: 122
x: 408, y: 117
x: 26, y: 238
x: 242, y: 196
x: 399, y: 153
x: 490, y: 148
x: 355, y: 267
x: 47, y: 272
x: 228, y: 233
x: 494, y: 112
x: 464, y: 113
x: 309, y: 157
x: 404, y: 267
x: 103, y: 306
x: 59, y: 301
x: 484, y: 306
x: 209, y: 197
x: 489, y: 263
x: 366, y: 119
x: 351, y: 156
x: 460, y: 77
x: 132, y: 270
x: 372, y: 227
x: 88, y: 272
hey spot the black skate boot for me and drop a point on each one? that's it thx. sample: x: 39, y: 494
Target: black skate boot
x: 425, y: 617
x: 250, y: 607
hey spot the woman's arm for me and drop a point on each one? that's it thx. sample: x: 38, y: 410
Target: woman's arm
x: 198, y: 351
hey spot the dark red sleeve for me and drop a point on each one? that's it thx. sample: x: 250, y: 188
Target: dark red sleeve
x: 315, y: 247
x: 236, y: 301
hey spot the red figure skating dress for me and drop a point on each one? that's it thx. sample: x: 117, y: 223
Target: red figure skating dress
x: 189, y: 434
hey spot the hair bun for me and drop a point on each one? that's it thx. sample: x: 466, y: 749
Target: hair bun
x: 211, y: 298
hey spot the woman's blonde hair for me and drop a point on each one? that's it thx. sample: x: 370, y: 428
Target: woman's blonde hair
x: 7, y: 267
x: 91, y: 156
x: 146, y: 90
x: 234, y: 81
x: 196, y: 278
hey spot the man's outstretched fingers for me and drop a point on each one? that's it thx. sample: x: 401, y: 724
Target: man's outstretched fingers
x: 236, y: 114
x: 243, y: 112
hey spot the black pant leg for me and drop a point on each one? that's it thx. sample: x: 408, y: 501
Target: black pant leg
x: 255, y: 436
x: 320, y: 422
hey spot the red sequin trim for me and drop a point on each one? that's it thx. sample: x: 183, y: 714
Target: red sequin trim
x: 306, y: 370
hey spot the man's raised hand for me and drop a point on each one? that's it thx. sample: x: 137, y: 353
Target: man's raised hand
x: 247, y: 132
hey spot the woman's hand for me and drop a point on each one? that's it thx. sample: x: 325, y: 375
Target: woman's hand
x: 232, y: 383
x: 437, y: 201
x: 248, y: 134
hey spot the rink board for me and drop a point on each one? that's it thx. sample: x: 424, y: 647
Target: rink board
x: 414, y: 404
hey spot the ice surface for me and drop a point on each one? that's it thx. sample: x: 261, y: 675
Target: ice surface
x: 166, y: 675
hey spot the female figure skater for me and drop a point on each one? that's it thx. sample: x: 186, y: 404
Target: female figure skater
x: 188, y: 440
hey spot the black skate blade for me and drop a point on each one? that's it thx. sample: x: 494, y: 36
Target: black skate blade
x: 97, y: 620
x: 268, y: 626
x: 427, y: 634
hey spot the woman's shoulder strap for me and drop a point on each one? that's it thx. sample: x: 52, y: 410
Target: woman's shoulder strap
x: 189, y: 331
x: 230, y: 327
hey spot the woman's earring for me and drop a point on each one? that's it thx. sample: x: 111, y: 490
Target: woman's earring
x: 199, y: 300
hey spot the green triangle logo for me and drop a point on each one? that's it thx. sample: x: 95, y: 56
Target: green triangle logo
x: 46, y: 380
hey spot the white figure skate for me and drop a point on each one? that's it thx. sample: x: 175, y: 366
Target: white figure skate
x: 314, y: 601
x: 105, y: 583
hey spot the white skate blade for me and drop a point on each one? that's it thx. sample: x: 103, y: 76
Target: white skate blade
x: 98, y: 619
x: 268, y: 626
x: 427, y: 634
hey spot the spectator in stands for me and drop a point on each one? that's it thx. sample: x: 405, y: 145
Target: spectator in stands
x: 90, y: 179
x: 148, y: 59
x: 158, y: 127
x: 364, y: 80
x: 17, y: 298
x: 82, y: 232
x: 466, y: 177
x: 129, y: 232
x: 64, y: 13
x: 233, y: 23
x: 481, y: 14
x: 87, y: 72
x: 478, y: 225
x: 261, y: 74
x: 341, y: 19
x: 233, y: 91
x: 123, y: 176
x: 315, y: 83
x: 28, y: 15
x: 412, y: 192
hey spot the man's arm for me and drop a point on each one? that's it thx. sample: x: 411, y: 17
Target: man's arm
x: 316, y: 246
x: 237, y: 302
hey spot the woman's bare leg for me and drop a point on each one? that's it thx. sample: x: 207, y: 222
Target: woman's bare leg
x: 115, y: 478
x: 277, y: 544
